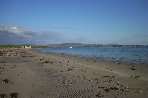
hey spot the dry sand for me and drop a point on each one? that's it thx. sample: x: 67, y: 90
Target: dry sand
x: 25, y: 73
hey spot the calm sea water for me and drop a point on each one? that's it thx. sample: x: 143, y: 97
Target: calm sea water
x: 131, y: 55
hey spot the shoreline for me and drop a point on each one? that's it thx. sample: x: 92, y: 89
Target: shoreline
x: 95, y: 61
x: 33, y: 74
x: 101, y: 58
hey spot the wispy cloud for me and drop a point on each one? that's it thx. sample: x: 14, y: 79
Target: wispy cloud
x: 13, y: 34
x: 18, y: 32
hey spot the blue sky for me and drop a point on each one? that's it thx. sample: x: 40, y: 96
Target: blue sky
x: 85, y: 21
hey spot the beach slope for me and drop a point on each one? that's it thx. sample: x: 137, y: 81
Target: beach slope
x: 25, y: 73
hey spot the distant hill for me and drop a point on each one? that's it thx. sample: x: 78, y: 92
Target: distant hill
x: 64, y: 45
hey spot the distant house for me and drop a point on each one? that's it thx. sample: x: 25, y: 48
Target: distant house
x: 26, y: 47
x: 29, y: 46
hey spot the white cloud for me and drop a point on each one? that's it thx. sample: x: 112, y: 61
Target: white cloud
x: 18, y: 32
x: 10, y: 29
x: 17, y: 35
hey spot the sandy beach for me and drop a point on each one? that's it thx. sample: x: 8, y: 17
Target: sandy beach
x: 26, y: 73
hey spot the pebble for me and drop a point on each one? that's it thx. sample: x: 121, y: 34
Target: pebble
x: 118, y: 83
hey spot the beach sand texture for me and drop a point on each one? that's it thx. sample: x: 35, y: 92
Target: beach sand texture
x: 25, y: 73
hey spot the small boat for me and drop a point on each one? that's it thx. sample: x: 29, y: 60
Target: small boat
x: 70, y: 47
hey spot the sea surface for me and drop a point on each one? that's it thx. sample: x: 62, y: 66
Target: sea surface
x: 130, y: 55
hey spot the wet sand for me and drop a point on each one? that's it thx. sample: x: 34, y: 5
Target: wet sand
x: 25, y: 73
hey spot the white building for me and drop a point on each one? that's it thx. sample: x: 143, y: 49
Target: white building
x: 26, y: 47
